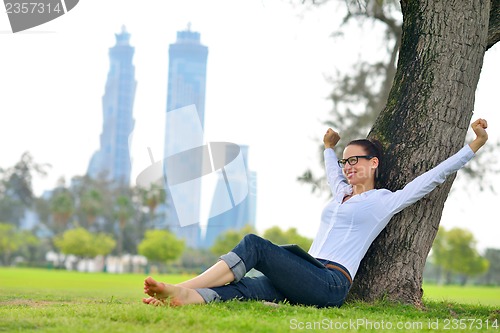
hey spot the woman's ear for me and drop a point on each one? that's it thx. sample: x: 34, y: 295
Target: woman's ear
x: 375, y: 162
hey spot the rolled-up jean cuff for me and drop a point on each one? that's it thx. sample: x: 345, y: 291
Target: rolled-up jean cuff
x: 208, y: 295
x: 236, y: 265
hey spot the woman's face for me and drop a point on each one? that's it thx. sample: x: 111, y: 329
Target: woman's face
x: 361, y: 172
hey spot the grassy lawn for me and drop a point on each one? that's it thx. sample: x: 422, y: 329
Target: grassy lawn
x: 59, y: 301
x: 469, y: 294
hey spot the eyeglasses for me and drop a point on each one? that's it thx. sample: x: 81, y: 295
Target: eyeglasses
x: 352, y: 160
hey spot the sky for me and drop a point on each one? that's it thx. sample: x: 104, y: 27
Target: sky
x: 266, y: 88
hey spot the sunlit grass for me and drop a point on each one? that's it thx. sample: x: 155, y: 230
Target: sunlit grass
x: 60, y: 301
x: 469, y: 294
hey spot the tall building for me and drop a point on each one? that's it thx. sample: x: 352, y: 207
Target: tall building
x: 239, y: 216
x: 112, y: 160
x: 186, y: 87
x: 187, y: 73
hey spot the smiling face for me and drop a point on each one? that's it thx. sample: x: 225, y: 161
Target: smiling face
x: 361, y: 174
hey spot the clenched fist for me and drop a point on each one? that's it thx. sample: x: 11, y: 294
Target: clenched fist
x: 479, y: 127
x: 331, y: 138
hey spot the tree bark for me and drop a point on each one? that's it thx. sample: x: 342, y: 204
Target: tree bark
x: 494, y: 23
x: 424, y: 122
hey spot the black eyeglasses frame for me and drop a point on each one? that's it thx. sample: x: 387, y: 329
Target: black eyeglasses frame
x: 342, y: 162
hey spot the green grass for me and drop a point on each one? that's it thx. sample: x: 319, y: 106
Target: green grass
x: 59, y: 301
x: 469, y: 294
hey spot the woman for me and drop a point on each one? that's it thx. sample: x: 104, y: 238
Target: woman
x: 350, y: 222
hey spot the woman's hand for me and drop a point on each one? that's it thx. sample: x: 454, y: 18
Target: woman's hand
x: 479, y: 127
x: 331, y: 138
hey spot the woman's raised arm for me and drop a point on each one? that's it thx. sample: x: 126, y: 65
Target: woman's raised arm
x: 479, y: 127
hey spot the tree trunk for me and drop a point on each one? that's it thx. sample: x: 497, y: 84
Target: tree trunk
x: 494, y: 23
x: 425, y: 121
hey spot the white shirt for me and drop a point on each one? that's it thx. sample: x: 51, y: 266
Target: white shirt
x: 347, y: 229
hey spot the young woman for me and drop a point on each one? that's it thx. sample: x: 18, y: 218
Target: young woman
x: 350, y: 222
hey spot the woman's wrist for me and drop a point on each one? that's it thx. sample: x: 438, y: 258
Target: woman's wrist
x: 477, y: 144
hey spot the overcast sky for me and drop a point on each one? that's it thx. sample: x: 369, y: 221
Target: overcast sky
x: 266, y: 88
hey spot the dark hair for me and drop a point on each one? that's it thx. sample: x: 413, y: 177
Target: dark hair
x: 372, y: 147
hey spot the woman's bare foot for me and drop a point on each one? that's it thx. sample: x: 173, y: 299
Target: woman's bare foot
x: 167, y: 294
x: 155, y: 302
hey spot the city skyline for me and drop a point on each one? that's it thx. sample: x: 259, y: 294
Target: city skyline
x: 53, y: 77
x: 241, y: 215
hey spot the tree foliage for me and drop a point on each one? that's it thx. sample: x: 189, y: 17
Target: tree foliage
x: 16, y: 188
x: 492, y: 276
x: 291, y: 236
x: 82, y: 243
x: 161, y: 246
x: 455, y: 251
x: 152, y: 197
x: 228, y: 240
x: 13, y: 241
x: 9, y: 241
x: 62, y: 207
x: 91, y: 204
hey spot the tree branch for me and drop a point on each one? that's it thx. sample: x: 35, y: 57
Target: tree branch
x: 494, y: 25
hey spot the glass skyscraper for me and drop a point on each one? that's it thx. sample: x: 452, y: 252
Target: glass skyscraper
x: 239, y: 216
x: 112, y: 160
x: 186, y: 86
x: 187, y: 72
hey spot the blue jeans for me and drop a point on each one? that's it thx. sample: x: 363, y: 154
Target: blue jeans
x: 286, y: 277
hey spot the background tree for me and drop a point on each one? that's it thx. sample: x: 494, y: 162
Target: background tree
x: 149, y: 200
x: 439, y: 255
x: 194, y: 261
x: 161, y: 246
x: 75, y: 241
x: 42, y: 208
x: 124, y: 211
x: 455, y: 252
x: 464, y: 258
x: 95, y: 203
x: 82, y: 244
x: 16, y: 189
x: 31, y: 247
x: 14, y: 242
x: 91, y: 204
x: 9, y: 242
x: 492, y: 276
x: 62, y: 207
x: 228, y: 240
x: 152, y: 198
x: 290, y: 236
x: 102, y: 244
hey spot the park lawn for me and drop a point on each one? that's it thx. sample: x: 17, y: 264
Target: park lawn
x: 481, y: 295
x: 60, y: 301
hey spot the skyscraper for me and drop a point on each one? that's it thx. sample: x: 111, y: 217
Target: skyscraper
x: 186, y: 86
x: 238, y: 217
x: 187, y: 72
x: 112, y: 160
